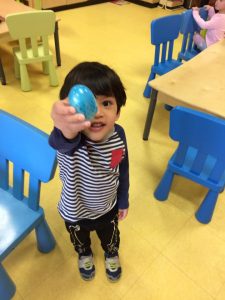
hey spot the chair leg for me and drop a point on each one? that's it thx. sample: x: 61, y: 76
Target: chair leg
x: 25, y: 81
x: 45, y: 67
x: 2, y: 74
x: 148, y: 89
x: 7, y: 286
x: 162, y: 191
x: 53, y: 79
x: 179, y: 57
x: 45, y: 239
x: 206, y: 209
x: 16, y: 68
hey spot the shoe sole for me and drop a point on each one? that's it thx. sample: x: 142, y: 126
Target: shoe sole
x: 89, y: 278
x: 113, y: 279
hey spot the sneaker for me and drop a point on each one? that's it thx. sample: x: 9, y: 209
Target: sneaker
x: 86, y: 267
x: 113, y: 268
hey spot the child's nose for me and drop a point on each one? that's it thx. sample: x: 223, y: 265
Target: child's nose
x: 99, y: 111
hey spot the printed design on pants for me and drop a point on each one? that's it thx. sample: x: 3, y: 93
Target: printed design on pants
x: 113, y: 246
x: 78, y: 245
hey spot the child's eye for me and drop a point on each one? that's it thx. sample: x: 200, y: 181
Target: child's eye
x: 106, y: 103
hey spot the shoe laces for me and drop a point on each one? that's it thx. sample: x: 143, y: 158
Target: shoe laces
x: 86, y: 262
x: 112, y: 263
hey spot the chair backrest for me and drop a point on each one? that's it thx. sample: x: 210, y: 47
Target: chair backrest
x: 29, y: 28
x: 27, y: 148
x: 204, y: 134
x: 164, y: 31
x: 188, y: 24
x: 189, y: 27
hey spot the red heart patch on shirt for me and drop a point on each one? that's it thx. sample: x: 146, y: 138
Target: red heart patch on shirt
x: 116, y: 158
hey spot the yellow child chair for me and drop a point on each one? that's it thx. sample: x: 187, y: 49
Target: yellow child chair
x: 32, y: 29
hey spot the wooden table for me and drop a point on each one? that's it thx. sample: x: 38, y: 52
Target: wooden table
x: 9, y: 7
x: 198, y: 83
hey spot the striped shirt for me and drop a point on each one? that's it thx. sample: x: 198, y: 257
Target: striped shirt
x: 94, y: 176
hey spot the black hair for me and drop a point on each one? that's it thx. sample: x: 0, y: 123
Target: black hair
x: 101, y: 79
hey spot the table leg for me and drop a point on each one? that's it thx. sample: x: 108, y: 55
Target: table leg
x: 57, y: 48
x: 2, y: 74
x: 150, y: 114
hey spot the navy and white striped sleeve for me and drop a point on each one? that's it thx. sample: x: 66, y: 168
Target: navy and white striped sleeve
x: 123, y: 189
x: 61, y: 144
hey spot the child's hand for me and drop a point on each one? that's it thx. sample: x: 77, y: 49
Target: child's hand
x: 65, y: 119
x: 195, y: 8
x: 207, y: 7
x: 122, y: 214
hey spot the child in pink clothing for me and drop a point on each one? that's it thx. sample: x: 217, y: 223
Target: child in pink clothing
x: 215, y: 25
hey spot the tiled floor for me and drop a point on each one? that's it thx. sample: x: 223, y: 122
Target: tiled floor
x: 165, y: 253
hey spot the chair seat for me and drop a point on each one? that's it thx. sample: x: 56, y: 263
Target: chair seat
x: 187, y: 55
x: 15, y: 221
x: 163, y: 68
x: 30, y: 56
x: 201, y: 178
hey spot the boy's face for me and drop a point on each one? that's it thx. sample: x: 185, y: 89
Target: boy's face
x: 220, y: 5
x: 102, y: 125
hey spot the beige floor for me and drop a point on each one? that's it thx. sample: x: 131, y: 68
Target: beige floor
x: 165, y: 253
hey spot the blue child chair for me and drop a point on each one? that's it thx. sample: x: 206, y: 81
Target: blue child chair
x: 24, y: 151
x: 188, y: 28
x: 198, y: 157
x: 164, y: 31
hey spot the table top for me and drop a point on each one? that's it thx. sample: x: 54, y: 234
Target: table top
x: 8, y: 7
x: 198, y: 83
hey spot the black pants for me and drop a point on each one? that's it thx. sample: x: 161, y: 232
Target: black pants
x: 106, y: 228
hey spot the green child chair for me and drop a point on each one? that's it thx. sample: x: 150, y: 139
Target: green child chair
x: 32, y: 29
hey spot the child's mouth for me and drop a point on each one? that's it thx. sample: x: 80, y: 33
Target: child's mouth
x: 97, y: 126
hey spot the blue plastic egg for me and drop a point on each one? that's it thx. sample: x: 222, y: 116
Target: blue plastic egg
x: 83, y: 100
